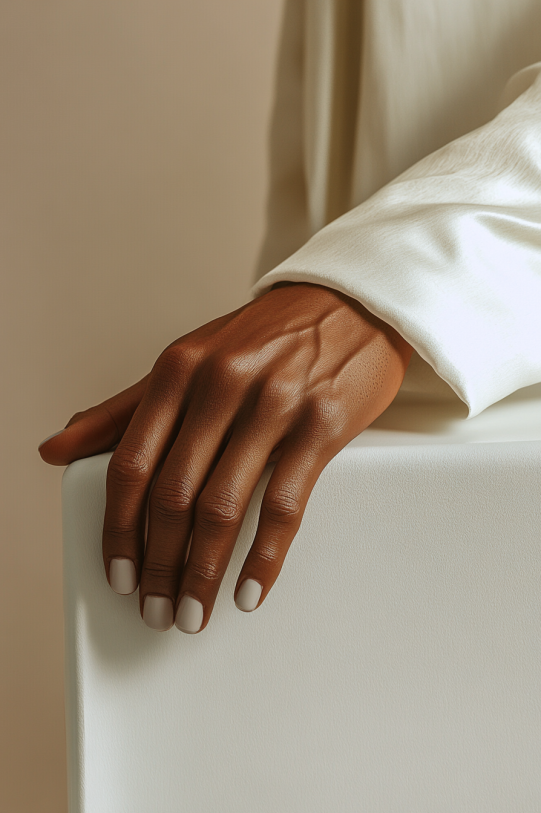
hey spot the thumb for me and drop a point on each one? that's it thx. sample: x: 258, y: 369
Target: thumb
x: 95, y: 430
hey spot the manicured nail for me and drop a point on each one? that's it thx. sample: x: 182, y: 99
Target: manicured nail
x: 158, y: 613
x: 248, y: 595
x: 122, y: 576
x: 49, y: 438
x: 189, y: 615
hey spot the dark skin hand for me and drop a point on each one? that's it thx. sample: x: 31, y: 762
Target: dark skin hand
x: 291, y: 377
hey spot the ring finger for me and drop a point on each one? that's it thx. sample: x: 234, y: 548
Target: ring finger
x: 219, y: 513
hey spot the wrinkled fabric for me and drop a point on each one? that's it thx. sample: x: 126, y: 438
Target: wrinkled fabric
x: 437, y: 157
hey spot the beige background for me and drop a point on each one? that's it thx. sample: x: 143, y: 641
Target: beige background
x: 133, y: 165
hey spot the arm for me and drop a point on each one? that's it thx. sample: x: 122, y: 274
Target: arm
x: 448, y: 256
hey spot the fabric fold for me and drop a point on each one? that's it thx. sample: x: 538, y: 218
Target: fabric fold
x: 449, y: 253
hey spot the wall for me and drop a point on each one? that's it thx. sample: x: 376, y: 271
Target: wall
x: 133, y: 173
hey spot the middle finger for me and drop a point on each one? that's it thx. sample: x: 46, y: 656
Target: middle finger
x: 172, y: 504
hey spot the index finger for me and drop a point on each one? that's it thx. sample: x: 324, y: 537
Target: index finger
x: 131, y: 469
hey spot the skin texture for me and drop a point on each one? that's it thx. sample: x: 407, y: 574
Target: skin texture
x: 289, y: 378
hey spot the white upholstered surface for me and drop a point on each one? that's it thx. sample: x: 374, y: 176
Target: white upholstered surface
x: 394, y: 668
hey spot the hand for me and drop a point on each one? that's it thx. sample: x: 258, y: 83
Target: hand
x: 291, y: 377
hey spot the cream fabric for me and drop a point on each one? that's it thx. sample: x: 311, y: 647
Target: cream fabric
x: 425, y: 117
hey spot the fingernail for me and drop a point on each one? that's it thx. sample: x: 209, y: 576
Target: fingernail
x: 49, y: 438
x: 189, y: 615
x: 248, y: 595
x: 122, y: 576
x: 158, y: 613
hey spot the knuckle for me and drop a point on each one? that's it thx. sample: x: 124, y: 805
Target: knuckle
x: 172, y: 500
x: 282, y: 505
x: 278, y: 395
x: 129, y: 465
x: 116, y: 534
x: 206, y: 570
x: 157, y: 570
x: 219, y: 511
x: 175, y: 360
x: 327, y: 416
x: 230, y: 366
x: 266, y: 556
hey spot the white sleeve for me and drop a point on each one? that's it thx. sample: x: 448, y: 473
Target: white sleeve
x: 449, y: 253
